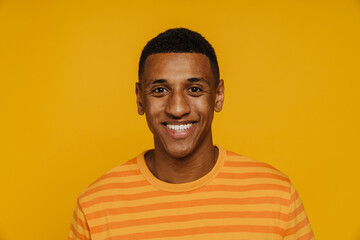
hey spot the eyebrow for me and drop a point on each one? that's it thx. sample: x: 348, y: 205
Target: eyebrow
x: 155, y: 81
x: 192, y: 80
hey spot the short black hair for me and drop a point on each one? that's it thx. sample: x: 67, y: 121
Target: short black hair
x: 180, y: 40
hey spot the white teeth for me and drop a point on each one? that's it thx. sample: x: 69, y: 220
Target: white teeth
x: 179, y: 128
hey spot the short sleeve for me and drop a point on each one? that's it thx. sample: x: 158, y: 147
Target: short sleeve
x: 79, y: 228
x: 297, y: 226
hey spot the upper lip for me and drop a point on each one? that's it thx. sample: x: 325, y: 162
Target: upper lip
x: 178, y: 122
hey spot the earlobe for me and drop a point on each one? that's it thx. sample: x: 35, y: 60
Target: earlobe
x: 219, y: 98
x: 139, y: 103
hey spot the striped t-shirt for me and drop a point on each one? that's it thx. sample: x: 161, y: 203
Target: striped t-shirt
x: 239, y: 198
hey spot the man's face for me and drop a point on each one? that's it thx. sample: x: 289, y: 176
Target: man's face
x: 178, y: 95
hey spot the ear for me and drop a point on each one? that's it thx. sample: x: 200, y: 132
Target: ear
x: 140, y: 106
x: 219, y: 97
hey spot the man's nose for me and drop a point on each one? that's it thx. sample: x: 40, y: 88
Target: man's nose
x: 177, y: 105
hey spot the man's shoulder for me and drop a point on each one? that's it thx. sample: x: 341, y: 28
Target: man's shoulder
x: 239, y: 163
x: 117, y: 177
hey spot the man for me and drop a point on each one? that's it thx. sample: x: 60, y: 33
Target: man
x: 187, y: 188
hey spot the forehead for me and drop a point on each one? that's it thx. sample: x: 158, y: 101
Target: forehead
x: 177, y: 66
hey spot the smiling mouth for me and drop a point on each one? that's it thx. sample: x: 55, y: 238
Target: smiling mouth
x: 178, y: 127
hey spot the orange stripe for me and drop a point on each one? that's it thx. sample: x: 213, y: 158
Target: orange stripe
x: 247, y: 164
x: 245, y: 188
x: 80, y: 222
x: 115, y: 186
x: 185, y: 204
x: 252, y: 175
x: 184, y: 218
x: 296, y: 212
x: 230, y: 153
x: 117, y: 174
x: 122, y: 173
x: 307, y: 236
x: 130, y: 162
x: 294, y: 197
x: 77, y: 234
x: 297, y: 227
x: 127, y: 197
x: 199, y: 230
x: 209, y: 188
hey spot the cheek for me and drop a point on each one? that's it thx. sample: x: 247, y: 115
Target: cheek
x: 203, y: 105
x: 153, y: 108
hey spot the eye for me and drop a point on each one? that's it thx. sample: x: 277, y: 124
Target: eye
x: 159, y: 91
x: 195, y: 89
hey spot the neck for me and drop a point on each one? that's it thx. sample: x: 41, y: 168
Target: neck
x: 182, y: 170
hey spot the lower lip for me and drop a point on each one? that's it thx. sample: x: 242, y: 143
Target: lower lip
x: 180, y: 135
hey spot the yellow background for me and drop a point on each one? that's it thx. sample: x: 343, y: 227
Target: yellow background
x: 68, y: 113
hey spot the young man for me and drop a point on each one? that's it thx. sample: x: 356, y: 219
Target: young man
x: 187, y: 188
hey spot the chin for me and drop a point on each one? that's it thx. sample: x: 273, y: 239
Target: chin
x: 179, y: 150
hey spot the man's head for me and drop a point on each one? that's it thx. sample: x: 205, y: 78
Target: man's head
x: 180, y: 40
x: 178, y: 91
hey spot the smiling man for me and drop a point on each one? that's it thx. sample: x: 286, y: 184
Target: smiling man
x: 187, y: 188
x: 178, y: 92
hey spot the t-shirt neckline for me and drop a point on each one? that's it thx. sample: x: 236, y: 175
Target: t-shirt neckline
x: 181, y: 187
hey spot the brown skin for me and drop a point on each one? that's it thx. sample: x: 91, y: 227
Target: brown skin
x: 179, y: 88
